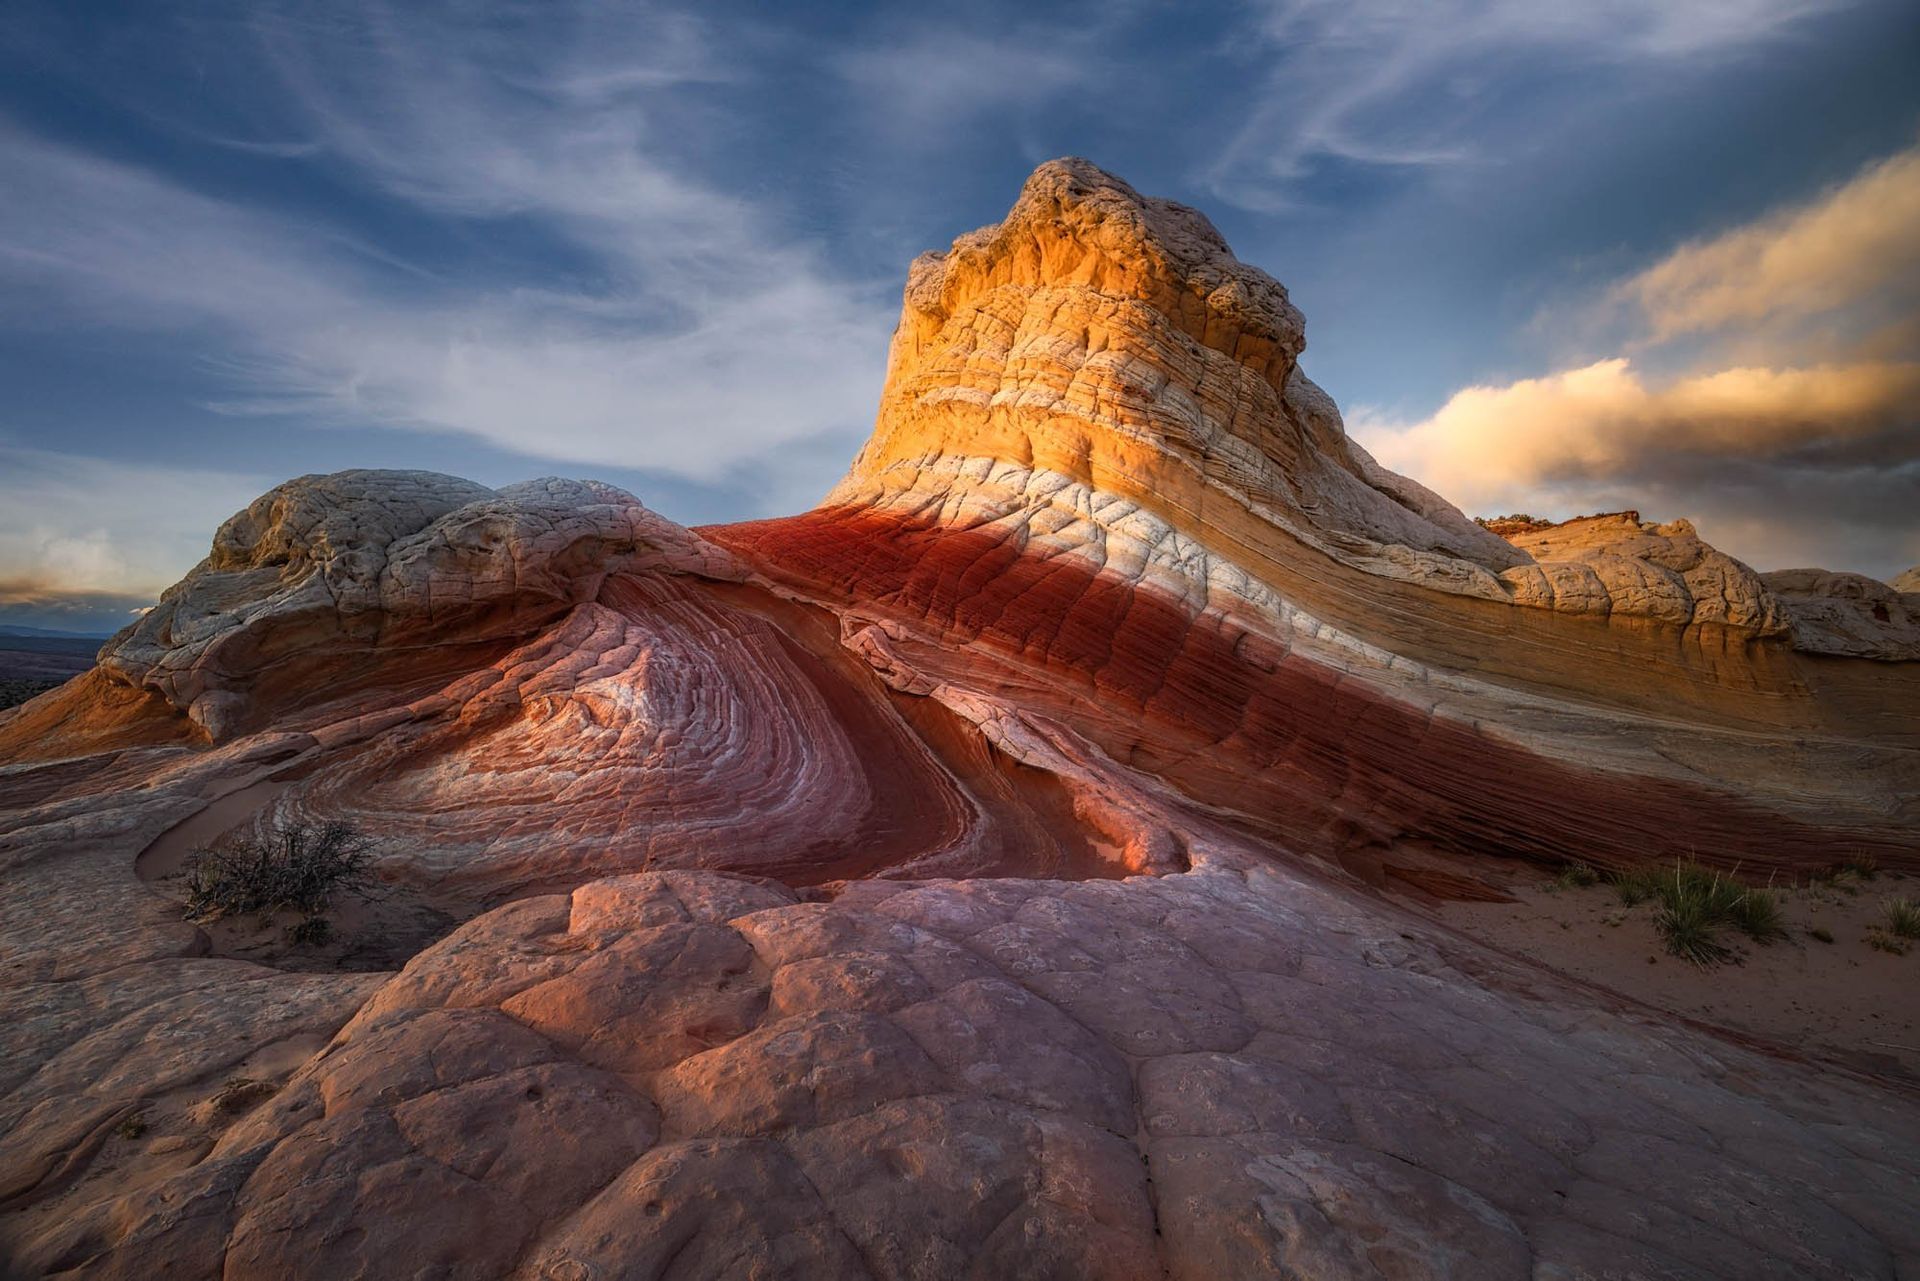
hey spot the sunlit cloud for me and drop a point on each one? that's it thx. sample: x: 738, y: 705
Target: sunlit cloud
x: 1856, y: 248
x: 31, y: 603
x: 1781, y: 459
x: 1604, y: 422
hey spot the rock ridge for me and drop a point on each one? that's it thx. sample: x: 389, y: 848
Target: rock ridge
x: 1097, y: 339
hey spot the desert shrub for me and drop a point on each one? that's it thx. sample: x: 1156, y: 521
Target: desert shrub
x: 295, y: 867
x: 1902, y: 917
x: 1576, y: 875
x: 1849, y: 873
x: 1635, y: 887
x: 1691, y: 929
x: 1756, y: 914
x: 1696, y: 903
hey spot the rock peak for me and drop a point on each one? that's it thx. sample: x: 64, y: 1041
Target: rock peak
x: 1077, y: 184
x: 1111, y: 342
x: 1077, y: 226
x: 1100, y: 354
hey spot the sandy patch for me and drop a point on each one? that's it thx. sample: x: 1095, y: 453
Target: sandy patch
x: 1845, y: 1000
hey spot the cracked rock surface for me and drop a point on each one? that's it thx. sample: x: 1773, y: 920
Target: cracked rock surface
x: 1226, y: 1072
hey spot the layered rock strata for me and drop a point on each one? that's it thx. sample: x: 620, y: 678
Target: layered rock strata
x: 1101, y: 346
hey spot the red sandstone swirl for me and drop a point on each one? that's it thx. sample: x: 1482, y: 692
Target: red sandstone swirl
x: 673, y: 723
x: 1325, y: 762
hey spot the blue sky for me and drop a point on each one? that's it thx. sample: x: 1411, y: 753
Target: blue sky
x: 663, y: 245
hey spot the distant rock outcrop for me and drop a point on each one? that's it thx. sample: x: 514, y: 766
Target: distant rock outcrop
x: 1849, y: 614
x: 979, y: 875
x: 1618, y: 563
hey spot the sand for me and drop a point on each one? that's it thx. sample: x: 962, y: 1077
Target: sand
x: 1844, y: 1001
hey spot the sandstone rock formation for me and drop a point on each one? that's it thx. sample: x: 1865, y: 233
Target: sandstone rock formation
x: 326, y: 572
x: 1619, y: 563
x: 1102, y: 358
x: 1849, y: 614
x: 976, y: 876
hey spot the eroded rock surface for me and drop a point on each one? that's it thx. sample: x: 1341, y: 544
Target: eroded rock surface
x: 1850, y: 614
x: 1619, y: 562
x: 324, y: 569
x: 977, y: 876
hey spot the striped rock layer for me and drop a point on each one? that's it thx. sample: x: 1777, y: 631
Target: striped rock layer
x: 974, y: 876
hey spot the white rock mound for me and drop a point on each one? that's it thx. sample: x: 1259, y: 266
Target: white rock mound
x: 326, y: 566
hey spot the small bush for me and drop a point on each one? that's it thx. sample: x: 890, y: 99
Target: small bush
x: 132, y: 1127
x: 1635, y: 887
x: 1881, y: 940
x: 1756, y: 914
x: 1849, y: 874
x: 297, y: 867
x: 1576, y: 875
x: 1903, y: 917
x: 1691, y: 928
x: 1696, y: 903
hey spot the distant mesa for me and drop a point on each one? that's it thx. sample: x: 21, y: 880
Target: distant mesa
x: 50, y: 633
x: 986, y: 872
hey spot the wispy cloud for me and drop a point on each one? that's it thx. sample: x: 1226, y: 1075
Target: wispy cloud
x: 946, y: 78
x: 1413, y: 82
x: 683, y: 331
x: 1855, y: 250
x: 1815, y: 450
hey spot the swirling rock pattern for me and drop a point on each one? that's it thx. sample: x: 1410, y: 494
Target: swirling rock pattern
x: 971, y: 877
x: 325, y: 570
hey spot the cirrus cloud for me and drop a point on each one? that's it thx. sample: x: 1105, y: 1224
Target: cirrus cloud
x: 1406, y: 83
x: 665, y: 323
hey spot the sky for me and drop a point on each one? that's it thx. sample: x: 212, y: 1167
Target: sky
x: 1553, y: 257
